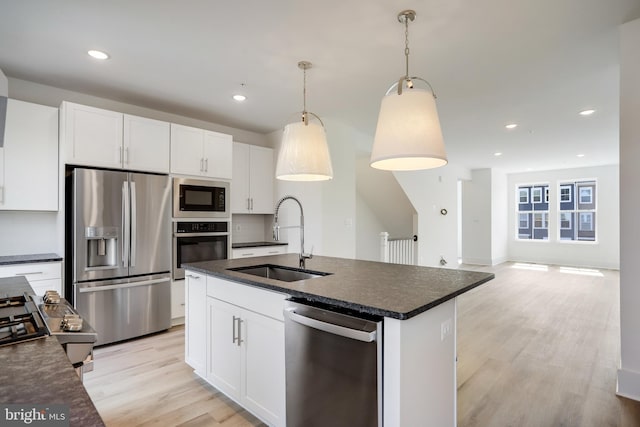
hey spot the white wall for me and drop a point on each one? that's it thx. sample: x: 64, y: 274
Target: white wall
x: 477, y: 218
x: 499, y: 217
x: 603, y: 254
x: 629, y: 373
x: 429, y: 191
x: 368, y: 228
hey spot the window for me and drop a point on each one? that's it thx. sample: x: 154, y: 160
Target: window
x: 532, y: 208
x: 536, y: 195
x: 565, y: 221
x: 577, y: 219
x: 586, y: 221
x: 586, y: 195
x: 523, y: 195
x: 540, y: 220
x: 523, y: 220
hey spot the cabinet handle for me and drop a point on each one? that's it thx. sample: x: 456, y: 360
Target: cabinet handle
x: 247, y: 254
x: 2, y: 194
x: 252, y: 203
x: 191, y: 276
x: 201, y: 164
x: 206, y: 165
x: 29, y: 272
x: 126, y: 155
x: 248, y: 204
x: 233, y: 330
x: 240, y: 340
x: 273, y: 252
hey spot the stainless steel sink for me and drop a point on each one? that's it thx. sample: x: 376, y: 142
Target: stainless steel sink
x: 279, y: 272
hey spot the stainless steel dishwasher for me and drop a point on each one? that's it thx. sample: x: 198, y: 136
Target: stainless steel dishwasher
x: 333, y: 367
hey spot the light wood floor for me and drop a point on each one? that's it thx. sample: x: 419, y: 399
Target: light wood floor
x: 536, y: 347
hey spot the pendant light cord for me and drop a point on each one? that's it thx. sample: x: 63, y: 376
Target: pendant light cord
x: 304, y: 96
x: 406, y: 46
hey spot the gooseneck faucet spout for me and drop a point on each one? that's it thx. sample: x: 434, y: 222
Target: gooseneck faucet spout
x: 276, y: 228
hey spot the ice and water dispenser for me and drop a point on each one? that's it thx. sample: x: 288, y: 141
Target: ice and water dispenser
x: 102, y: 247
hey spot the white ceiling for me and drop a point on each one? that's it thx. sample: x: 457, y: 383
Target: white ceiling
x: 491, y: 62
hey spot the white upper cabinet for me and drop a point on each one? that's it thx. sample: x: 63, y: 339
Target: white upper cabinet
x: 200, y: 152
x: 252, y: 179
x: 29, y: 159
x: 146, y: 144
x: 102, y: 138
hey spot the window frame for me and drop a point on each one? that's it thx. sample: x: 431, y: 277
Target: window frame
x: 536, y: 193
x: 590, y: 222
x: 526, y: 191
x: 526, y: 217
x: 544, y: 220
x: 590, y: 190
x: 568, y: 186
x: 570, y: 220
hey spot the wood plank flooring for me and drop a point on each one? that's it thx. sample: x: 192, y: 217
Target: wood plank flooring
x: 536, y: 347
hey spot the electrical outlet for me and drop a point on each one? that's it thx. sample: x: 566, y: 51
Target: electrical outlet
x: 445, y: 329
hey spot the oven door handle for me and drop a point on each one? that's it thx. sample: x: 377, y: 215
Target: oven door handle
x: 177, y: 235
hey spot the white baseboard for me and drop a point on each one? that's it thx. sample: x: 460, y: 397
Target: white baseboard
x: 628, y: 384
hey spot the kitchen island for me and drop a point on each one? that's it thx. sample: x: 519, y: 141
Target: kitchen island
x: 417, y: 305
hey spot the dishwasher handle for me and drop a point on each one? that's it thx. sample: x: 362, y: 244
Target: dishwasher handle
x: 331, y: 328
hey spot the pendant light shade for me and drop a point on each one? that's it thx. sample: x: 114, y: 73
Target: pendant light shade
x: 304, y: 152
x: 408, y: 135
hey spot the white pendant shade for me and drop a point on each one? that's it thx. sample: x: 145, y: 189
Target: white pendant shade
x: 304, y: 153
x: 408, y: 135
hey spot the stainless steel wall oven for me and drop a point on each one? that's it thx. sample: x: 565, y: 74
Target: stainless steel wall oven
x: 199, y: 241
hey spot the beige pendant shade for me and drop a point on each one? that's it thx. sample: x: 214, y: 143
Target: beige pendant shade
x: 408, y: 134
x: 304, y: 153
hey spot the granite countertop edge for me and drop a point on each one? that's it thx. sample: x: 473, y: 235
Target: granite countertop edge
x: 297, y: 289
x: 29, y: 258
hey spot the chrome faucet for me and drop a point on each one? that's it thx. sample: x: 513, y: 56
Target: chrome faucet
x: 276, y: 228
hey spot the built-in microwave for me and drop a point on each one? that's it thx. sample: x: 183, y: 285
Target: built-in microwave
x: 197, y: 198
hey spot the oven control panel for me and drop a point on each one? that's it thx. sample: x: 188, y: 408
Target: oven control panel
x: 201, y: 227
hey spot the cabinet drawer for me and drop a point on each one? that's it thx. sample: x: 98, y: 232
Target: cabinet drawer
x: 258, y: 251
x: 258, y: 300
x: 33, y: 272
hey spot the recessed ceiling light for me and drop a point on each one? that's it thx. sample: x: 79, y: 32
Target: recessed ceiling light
x: 97, y: 54
x: 239, y: 97
x: 587, y: 112
x: 511, y: 126
x: 580, y: 155
x: 497, y: 154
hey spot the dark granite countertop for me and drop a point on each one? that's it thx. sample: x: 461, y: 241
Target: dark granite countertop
x: 29, y: 258
x: 256, y: 244
x: 39, y: 372
x: 391, y: 290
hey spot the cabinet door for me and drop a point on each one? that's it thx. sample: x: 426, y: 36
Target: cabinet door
x: 186, y: 150
x: 146, y: 144
x: 261, y: 177
x: 218, y: 153
x: 224, y: 351
x: 264, y: 367
x: 240, y: 202
x: 195, y: 347
x: 30, y: 158
x: 92, y: 136
x: 178, y: 294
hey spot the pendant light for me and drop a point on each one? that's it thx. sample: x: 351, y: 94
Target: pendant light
x: 408, y: 135
x: 304, y: 153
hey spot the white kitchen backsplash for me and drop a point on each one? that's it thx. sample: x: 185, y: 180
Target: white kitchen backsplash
x: 251, y: 228
x: 29, y: 233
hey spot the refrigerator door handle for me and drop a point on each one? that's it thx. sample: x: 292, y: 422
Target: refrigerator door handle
x: 122, y: 286
x: 134, y: 225
x: 125, y: 224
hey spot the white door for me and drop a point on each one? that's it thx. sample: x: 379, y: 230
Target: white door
x: 196, y: 322
x: 264, y: 367
x: 240, y: 202
x: 218, y: 153
x: 186, y: 150
x: 224, y: 364
x: 146, y: 144
x: 261, y: 180
x: 93, y: 136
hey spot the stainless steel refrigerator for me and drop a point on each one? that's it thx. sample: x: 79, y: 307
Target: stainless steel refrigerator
x: 119, y: 239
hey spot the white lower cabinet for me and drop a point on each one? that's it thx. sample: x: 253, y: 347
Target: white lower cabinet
x: 42, y: 276
x: 244, y: 337
x: 178, y: 294
x: 195, y: 336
